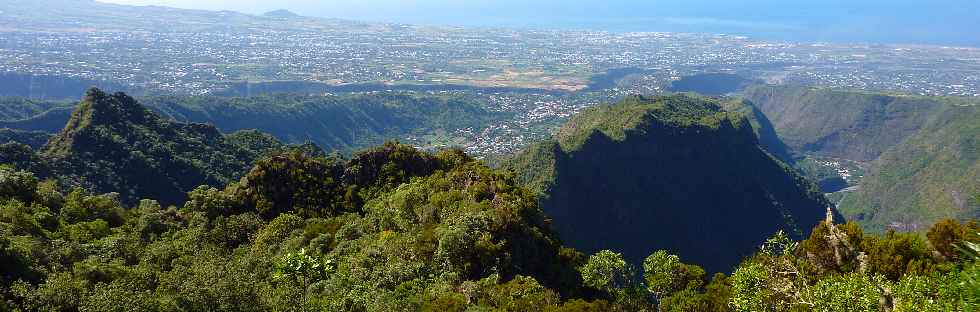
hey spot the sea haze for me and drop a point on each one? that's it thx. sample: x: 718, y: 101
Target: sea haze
x: 940, y: 22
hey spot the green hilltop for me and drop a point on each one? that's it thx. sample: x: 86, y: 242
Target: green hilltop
x: 111, y: 143
x: 667, y: 173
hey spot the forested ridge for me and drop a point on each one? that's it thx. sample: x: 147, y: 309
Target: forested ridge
x: 343, y: 123
x: 675, y: 166
x: 393, y: 228
x: 111, y: 143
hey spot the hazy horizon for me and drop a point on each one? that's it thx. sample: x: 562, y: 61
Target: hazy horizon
x: 941, y: 22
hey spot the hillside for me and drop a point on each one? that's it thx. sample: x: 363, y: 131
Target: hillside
x: 667, y: 173
x: 114, y: 144
x: 843, y: 124
x: 910, y: 160
x: 34, y: 139
x: 764, y: 130
x: 344, y: 123
x: 17, y: 108
x: 933, y: 175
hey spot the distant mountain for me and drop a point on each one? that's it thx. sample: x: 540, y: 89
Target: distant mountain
x: 17, y: 108
x: 284, y: 14
x: 114, y: 144
x: 667, y: 173
x: 343, y: 123
x: 77, y: 15
x: 715, y: 84
x: 53, y: 87
x: 50, y: 121
x: 34, y: 139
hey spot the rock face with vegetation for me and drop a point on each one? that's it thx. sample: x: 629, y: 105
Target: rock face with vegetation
x: 668, y: 173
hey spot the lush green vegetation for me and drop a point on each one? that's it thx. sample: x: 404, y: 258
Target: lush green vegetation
x: 32, y: 115
x: 927, y: 178
x: 763, y: 129
x: 843, y: 124
x: 672, y: 173
x: 433, y: 233
x: 34, y: 139
x: 343, y: 123
x: 114, y: 144
x: 667, y: 185
x: 920, y: 153
x: 335, y: 122
x: 17, y: 108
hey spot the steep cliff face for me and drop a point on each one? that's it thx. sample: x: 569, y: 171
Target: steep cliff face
x: 668, y: 173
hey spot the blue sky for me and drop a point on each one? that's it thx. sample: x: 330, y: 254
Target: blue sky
x: 953, y: 22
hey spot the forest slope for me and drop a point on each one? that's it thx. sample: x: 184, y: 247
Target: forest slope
x: 931, y: 176
x: 667, y: 173
x: 343, y: 122
x: 111, y: 143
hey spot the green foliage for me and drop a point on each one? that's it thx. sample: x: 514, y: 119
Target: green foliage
x: 114, y: 144
x: 896, y: 254
x: 606, y: 271
x: 397, y: 229
x: 833, y: 248
x: 18, y: 185
x: 343, y: 122
x: 851, y: 292
x: 946, y: 237
x: 715, y: 297
x: 34, y: 139
x: 665, y: 274
x: 895, y: 272
x: 391, y: 229
x: 302, y: 267
x: 922, y: 151
x: 648, y: 168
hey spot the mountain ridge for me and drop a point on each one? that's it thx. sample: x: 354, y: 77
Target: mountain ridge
x: 646, y: 167
x: 112, y: 143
